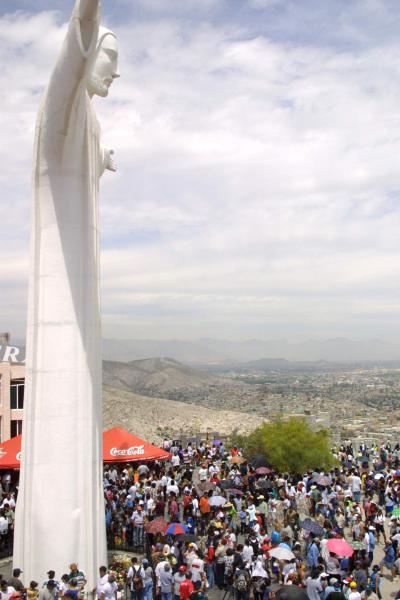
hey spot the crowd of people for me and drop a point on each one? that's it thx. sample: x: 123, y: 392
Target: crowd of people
x: 213, y: 522
x: 209, y: 523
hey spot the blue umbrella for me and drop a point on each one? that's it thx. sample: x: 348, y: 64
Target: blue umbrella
x: 312, y: 527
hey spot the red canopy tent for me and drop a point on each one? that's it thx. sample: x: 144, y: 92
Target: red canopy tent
x: 121, y: 446
x: 10, y: 453
x: 118, y: 446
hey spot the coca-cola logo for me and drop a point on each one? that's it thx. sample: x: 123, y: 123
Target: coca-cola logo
x: 132, y: 451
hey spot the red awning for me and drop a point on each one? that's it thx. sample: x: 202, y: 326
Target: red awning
x: 121, y: 446
x: 10, y: 453
x: 118, y: 446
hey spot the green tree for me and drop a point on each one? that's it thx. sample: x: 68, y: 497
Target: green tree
x: 290, y: 446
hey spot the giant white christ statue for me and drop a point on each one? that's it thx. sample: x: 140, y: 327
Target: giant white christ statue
x: 60, y: 512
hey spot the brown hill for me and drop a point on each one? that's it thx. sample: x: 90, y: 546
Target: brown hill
x: 150, y: 418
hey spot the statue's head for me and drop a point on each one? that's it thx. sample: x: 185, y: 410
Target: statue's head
x: 105, y: 65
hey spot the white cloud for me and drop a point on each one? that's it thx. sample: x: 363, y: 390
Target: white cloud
x: 258, y: 181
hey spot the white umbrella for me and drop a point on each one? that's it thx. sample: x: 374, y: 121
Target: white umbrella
x: 281, y: 553
x: 217, y: 501
x: 379, y: 476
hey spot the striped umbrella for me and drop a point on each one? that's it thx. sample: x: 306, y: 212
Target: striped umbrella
x: 176, y: 529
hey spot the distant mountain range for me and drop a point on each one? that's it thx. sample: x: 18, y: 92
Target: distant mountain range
x: 210, y: 351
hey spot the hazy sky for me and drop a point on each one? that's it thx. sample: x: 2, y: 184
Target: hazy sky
x: 258, y: 145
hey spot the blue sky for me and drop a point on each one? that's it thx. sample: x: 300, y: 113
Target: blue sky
x: 258, y: 151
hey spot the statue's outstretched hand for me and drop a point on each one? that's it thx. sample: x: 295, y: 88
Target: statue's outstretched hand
x: 111, y: 164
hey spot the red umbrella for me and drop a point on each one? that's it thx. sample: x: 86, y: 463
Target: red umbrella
x: 340, y: 547
x: 156, y: 526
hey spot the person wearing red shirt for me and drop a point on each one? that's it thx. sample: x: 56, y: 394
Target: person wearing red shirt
x: 186, y: 587
x: 209, y: 560
x: 187, y: 503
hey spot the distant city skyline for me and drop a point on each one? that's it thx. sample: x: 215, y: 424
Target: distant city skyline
x: 258, y: 190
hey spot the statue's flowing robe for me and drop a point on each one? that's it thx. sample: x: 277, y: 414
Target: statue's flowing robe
x: 60, y: 510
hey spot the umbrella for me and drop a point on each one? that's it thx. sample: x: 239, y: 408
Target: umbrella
x: 291, y: 592
x: 396, y: 512
x: 217, y: 442
x: 357, y: 545
x: 217, y: 500
x: 363, y: 459
x: 236, y: 460
x: 312, y: 527
x: 379, y: 476
x: 340, y: 547
x: 225, y: 484
x: 281, y: 553
x: 258, y: 460
x: 206, y: 486
x: 234, y: 492
x: 323, y: 479
x: 156, y: 526
x: 264, y: 484
x: 263, y: 470
x: 186, y: 537
x: 176, y: 529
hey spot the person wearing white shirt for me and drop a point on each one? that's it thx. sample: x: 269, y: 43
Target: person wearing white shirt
x: 3, y: 524
x: 172, y: 487
x: 247, y: 552
x: 159, y: 568
x: 197, y: 569
x: 102, y: 580
x: 175, y: 460
x: 150, y: 505
x: 8, y: 500
x: 109, y: 591
x: 195, y: 506
x: 135, y: 570
x: 203, y: 472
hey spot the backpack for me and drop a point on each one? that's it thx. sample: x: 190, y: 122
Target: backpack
x: 137, y: 581
x: 259, y: 585
x: 241, y: 583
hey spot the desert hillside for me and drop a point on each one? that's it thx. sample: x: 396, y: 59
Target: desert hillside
x: 167, y: 378
x: 150, y: 417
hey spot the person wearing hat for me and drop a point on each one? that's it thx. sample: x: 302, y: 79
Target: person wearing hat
x: 15, y: 581
x: 336, y: 593
x: 313, y: 553
x: 354, y: 593
x: 330, y: 586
